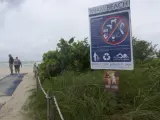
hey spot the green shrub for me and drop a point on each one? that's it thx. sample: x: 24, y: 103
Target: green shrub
x: 69, y: 55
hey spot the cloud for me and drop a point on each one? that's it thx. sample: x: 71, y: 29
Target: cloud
x: 12, y: 3
x: 28, y: 28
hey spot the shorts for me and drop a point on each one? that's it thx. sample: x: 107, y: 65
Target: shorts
x: 17, y: 67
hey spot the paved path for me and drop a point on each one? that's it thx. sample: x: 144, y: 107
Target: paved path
x: 11, y: 110
x: 9, y: 83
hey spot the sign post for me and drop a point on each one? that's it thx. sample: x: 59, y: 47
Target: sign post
x: 111, y: 38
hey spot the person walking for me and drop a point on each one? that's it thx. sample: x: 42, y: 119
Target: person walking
x: 17, y: 64
x: 34, y: 70
x: 11, y: 60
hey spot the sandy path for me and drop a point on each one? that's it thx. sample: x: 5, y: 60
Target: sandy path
x: 5, y: 70
x: 12, y: 108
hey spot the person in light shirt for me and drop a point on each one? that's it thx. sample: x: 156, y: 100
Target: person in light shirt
x: 17, y: 64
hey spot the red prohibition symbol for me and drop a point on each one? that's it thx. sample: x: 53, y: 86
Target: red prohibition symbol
x: 115, y: 30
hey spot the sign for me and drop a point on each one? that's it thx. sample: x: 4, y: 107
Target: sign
x: 111, y: 39
x: 111, y: 80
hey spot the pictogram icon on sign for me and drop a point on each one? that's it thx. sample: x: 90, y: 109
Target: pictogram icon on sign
x: 96, y: 57
x: 106, y: 56
x: 114, y: 30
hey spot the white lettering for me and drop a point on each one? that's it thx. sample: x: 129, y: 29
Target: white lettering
x: 112, y: 65
x: 109, y: 7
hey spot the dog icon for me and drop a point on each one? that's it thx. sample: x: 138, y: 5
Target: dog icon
x: 114, y: 21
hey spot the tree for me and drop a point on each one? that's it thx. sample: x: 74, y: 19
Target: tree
x: 69, y: 55
x: 143, y: 49
x: 158, y: 54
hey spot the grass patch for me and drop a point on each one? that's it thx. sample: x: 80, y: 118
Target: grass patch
x: 82, y: 97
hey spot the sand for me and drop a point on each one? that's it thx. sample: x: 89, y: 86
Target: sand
x: 5, y: 70
x: 11, y: 110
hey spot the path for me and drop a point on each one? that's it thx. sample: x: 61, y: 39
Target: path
x: 12, y: 108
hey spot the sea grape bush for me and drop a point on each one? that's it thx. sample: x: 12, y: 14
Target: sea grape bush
x: 69, y: 55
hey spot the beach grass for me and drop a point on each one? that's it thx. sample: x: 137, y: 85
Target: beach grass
x: 81, y: 96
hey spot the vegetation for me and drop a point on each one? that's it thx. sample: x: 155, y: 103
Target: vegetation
x: 69, y: 55
x: 80, y: 91
x: 158, y: 54
x: 143, y: 49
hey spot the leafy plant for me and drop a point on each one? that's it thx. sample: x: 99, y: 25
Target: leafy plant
x: 69, y: 55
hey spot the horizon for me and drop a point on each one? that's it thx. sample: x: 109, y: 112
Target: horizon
x: 35, y: 28
x: 23, y: 61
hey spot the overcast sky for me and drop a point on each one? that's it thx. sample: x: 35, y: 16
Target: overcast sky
x: 28, y: 28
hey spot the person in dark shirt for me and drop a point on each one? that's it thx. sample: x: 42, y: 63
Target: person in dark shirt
x: 11, y: 60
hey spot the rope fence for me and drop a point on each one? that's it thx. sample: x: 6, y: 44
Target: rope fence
x: 49, y: 97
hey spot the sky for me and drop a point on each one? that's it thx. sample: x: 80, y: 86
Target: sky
x: 28, y: 28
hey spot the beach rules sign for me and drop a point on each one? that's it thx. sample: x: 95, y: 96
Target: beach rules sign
x: 111, y: 36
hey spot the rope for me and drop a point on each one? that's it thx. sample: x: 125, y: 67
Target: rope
x: 59, y: 111
x: 55, y: 100
x: 42, y: 88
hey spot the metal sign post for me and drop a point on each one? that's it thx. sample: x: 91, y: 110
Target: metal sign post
x: 111, y: 39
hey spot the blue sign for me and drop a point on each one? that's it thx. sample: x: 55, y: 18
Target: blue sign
x: 111, y: 39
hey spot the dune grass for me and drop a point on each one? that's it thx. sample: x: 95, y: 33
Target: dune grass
x: 81, y: 96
